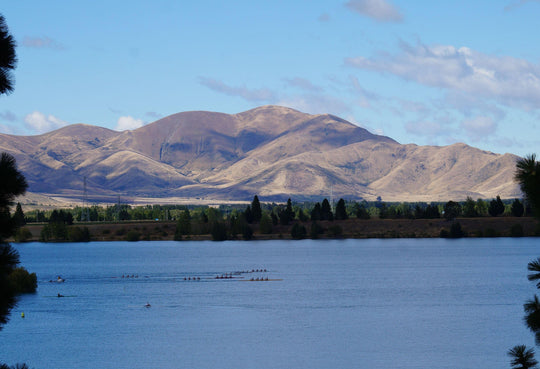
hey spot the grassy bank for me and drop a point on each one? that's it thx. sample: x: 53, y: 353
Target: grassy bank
x: 350, y: 228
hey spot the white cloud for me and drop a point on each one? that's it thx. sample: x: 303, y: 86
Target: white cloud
x: 510, y: 81
x: 42, y: 43
x: 380, y: 10
x: 303, y: 84
x: 41, y: 123
x: 479, y: 128
x: 128, y: 123
x: 262, y: 94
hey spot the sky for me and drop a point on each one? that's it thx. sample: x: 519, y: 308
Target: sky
x: 421, y: 72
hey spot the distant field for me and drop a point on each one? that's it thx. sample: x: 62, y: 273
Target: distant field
x: 351, y: 228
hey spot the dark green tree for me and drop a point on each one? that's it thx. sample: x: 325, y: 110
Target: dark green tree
x: 8, y: 58
x: 78, y: 234
x: 265, y: 225
x: 528, y: 176
x: 481, y: 207
x: 432, y: 212
x: 496, y: 207
x: 219, y: 231
x: 383, y: 211
x: 183, y: 225
x: 256, y: 209
x: 469, y: 208
x: 316, y: 212
x: 326, y: 211
x: 341, y: 211
x: 360, y: 211
x: 289, y: 213
x: 298, y: 231
x: 248, y: 214
x: 316, y: 230
x: 532, y: 317
x: 275, y: 219
x: 18, y: 216
x: 522, y: 358
x: 517, y: 208
x: 534, y: 268
x: 452, y: 210
x: 12, y: 184
x: 247, y: 232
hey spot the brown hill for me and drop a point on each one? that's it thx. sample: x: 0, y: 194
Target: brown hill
x: 272, y: 151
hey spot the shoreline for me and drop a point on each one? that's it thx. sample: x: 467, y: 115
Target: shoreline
x: 343, y: 229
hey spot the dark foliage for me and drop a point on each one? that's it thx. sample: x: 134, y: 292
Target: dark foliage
x: 326, y: 211
x: 452, y: 210
x: 18, y: 216
x: 341, y: 211
x: 8, y: 58
x: 298, y: 231
x: 78, y: 234
x: 528, y: 176
x: 316, y: 212
x: 219, y: 231
x: 517, y: 208
x: 256, y: 209
x: 522, y: 358
x: 316, y: 230
x: 496, y: 207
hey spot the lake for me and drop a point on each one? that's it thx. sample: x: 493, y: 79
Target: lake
x: 398, y: 303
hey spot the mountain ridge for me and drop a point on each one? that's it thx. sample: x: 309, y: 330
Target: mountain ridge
x: 273, y: 151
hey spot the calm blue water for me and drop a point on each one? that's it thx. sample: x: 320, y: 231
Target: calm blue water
x: 337, y: 304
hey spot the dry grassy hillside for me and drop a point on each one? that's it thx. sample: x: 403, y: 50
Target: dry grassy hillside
x: 272, y: 151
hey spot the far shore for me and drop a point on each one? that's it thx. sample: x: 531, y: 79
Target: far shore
x: 350, y: 229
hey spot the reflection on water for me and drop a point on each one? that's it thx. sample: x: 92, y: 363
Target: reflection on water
x: 273, y: 304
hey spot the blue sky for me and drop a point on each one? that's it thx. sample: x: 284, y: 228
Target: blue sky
x: 423, y: 72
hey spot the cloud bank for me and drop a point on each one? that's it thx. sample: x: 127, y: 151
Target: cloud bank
x: 257, y: 95
x: 41, y: 123
x: 379, y: 10
x: 42, y: 43
x: 128, y: 123
x: 510, y: 81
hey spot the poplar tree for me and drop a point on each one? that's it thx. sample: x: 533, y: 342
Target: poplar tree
x: 256, y: 209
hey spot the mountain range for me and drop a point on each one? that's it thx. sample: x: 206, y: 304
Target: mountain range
x: 273, y: 151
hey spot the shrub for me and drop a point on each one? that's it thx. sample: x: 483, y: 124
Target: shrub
x: 335, y: 231
x: 21, y: 281
x: 219, y: 232
x: 516, y: 230
x: 23, y: 234
x: 133, y: 236
x: 78, y: 234
x: 247, y: 232
x: 265, y: 226
x: 120, y: 232
x: 298, y: 231
x: 316, y: 230
x: 456, y: 231
x: 490, y: 232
